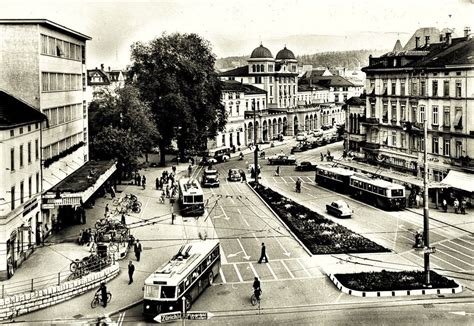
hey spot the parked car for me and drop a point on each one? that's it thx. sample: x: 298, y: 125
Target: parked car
x: 306, y: 166
x: 210, y: 178
x: 301, y: 136
x: 281, y: 159
x: 339, y: 208
x: 234, y: 175
x: 300, y: 148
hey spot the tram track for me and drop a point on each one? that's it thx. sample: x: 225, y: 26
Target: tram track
x: 441, y: 221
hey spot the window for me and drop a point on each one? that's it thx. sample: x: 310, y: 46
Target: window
x: 414, y: 88
x: 458, y: 148
x: 271, y: 90
x: 447, y: 147
x: 223, y: 139
x: 394, y: 111
x: 458, y: 88
x: 422, y: 88
x: 384, y: 87
x: 446, y: 88
x: 30, y: 187
x: 434, y: 88
x: 394, y: 138
x: 12, y: 197
x: 403, y: 140
x: 422, y: 144
x: 37, y: 182
x: 372, y: 85
x: 458, y: 118
x: 414, y: 117
x: 422, y: 113
x: 446, y: 119
x: 402, y: 111
x: 435, y: 145
x: 435, y: 115
x: 12, y: 159
x: 22, y: 192
x: 12, y: 133
x: 402, y: 88
x: 385, y: 112
x: 29, y: 152
x: 372, y: 110
x: 21, y: 156
x: 394, y: 86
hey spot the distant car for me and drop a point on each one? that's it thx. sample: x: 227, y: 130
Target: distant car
x: 300, y: 148
x: 305, y: 166
x: 210, y: 178
x: 208, y: 160
x: 339, y: 208
x: 234, y: 175
x: 250, y: 167
x: 281, y: 159
x: 301, y: 136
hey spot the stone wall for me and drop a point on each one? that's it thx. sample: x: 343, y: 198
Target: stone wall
x: 24, y: 303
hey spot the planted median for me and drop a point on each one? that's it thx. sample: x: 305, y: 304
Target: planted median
x: 319, y: 234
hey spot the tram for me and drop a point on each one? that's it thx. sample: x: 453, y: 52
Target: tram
x: 191, y: 197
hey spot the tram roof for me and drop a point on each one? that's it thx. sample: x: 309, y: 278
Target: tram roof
x: 377, y: 182
x: 179, y: 266
x: 335, y: 169
x: 189, y: 184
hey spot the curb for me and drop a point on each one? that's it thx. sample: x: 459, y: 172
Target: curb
x: 130, y: 305
x: 281, y: 221
x: 395, y: 293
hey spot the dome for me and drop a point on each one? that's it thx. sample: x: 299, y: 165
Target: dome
x: 285, y: 54
x: 261, y: 52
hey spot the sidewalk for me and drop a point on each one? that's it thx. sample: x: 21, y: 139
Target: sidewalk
x: 160, y: 240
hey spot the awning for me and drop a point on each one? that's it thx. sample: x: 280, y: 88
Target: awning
x: 460, y: 180
x: 79, y: 185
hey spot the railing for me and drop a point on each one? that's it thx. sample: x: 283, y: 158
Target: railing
x: 45, y: 281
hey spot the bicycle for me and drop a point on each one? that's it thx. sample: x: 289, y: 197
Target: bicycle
x: 97, y: 299
x: 253, y: 298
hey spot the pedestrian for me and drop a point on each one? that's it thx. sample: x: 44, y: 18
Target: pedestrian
x: 328, y: 153
x: 463, y: 206
x: 445, y: 205
x: 190, y: 170
x: 167, y: 190
x: 172, y: 218
x: 174, y: 169
x: 263, y: 254
x: 143, y: 182
x: 157, y: 183
x: 418, y: 200
x: 322, y: 157
x: 139, y: 179
x: 81, y: 237
x: 277, y: 172
x: 456, y: 205
x: 106, y: 210
x: 124, y: 222
x: 112, y: 191
x: 131, y: 269
x: 103, y: 293
x: 138, y: 249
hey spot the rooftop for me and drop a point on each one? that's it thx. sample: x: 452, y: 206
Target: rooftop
x: 14, y: 112
x: 47, y: 23
x: 235, y: 86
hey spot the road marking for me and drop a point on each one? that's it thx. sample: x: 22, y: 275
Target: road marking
x: 243, y: 218
x: 450, y: 248
x: 255, y: 212
x: 253, y: 270
x: 239, y: 188
x: 464, y: 240
x: 310, y: 180
x: 287, y: 269
x: 221, y: 273
x: 304, y: 268
x: 445, y: 253
x: 256, y: 239
x: 457, y: 244
x: 247, y: 257
x: 224, y: 213
x: 285, y: 252
x: 121, y: 319
x: 284, y: 180
x: 238, y: 273
x: 143, y: 208
x: 223, y: 256
x: 292, y: 180
x: 271, y: 271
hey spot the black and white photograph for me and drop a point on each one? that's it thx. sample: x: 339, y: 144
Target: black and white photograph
x: 205, y: 162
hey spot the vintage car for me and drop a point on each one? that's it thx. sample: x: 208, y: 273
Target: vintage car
x: 305, y: 166
x: 300, y: 148
x: 281, y: 159
x: 210, y: 178
x: 339, y: 208
x: 301, y: 136
x: 234, y: 175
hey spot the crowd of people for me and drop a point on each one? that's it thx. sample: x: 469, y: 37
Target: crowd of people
x: 168, y: 184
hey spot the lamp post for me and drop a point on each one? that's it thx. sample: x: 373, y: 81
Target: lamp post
x: 426, y: 217
x: 255, y: 153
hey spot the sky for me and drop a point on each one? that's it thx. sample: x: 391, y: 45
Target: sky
x: 235, y: 27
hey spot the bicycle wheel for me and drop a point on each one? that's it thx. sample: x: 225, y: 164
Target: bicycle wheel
x: 74, y: 266
x: 136, y: 209
x: 253, y: 299
x: 109, y: 297
x: 94, y: 302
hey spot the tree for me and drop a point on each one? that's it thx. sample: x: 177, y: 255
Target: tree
x: 175, y: 74
x: 121, y: 127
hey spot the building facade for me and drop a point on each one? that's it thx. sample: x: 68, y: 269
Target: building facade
x: 20, y: 186
x: 355, y: 133
x: 430, y: 80
x: 99, y: 79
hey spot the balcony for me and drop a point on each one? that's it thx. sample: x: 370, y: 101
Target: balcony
x: 371, y: 146
x: 463, y: 161
x: 371, y: 121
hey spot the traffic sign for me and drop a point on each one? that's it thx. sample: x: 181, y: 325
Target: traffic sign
x: 431, y: 250
x: 169, y: 316
x: 199, y: 315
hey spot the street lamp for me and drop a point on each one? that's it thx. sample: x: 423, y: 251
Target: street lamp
x: 255, y: 153
x: 426, y: 216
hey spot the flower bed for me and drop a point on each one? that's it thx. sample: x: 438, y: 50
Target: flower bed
x: 319, y: 234
x: 393, y: 281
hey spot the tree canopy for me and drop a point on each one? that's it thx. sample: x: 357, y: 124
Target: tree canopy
x: 175, y: 75
x: 121, y: 126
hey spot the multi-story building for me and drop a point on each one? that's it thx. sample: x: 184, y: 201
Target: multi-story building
x: 430, y: 80
x: 43, y: 64
x: 99, y: 79
x: 20, y: 186
x: 354, y: 136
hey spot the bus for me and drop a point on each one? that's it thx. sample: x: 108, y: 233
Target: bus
x: 333, y: 177
x: 191, y: 197
x: 378, y: 192
x: 187, y: 274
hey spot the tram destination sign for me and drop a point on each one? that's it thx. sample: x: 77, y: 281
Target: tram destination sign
x: 192, y: 315
x: 166, y: 317
x: 199, y: 315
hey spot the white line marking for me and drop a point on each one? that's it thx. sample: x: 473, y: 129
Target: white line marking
x: 287, y: 269
x: 463, y: 240
x: 256, y: 239
x: 292, y: 180
x: 225, y: 214
x: 243, y: 218
x: 285, y: 252
x: 310, y: 180
x: 238, y: 273
x: 253, y: 270
x: 221, y: 273
x: 284, y: 180
x: 445, y: 253
x: 246, y: 257
x: 304, y: 268
x: 457, y: 244
x: 271, y: 271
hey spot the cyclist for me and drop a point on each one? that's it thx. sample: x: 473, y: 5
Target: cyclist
x: 256, y: 288
x: 103, y: 293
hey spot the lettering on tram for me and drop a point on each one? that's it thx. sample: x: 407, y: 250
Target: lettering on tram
x: 191, y: 197
x: 377, y: 192
x: 186, y: 275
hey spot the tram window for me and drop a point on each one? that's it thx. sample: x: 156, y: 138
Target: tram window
x: 168, y: 292
x: 397, y: 192
x: 369, y: 187
x: 198, y: 198
x: 188, y: 199
x: 181, y: 288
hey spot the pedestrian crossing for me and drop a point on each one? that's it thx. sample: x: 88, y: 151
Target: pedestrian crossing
x: 274, y: 270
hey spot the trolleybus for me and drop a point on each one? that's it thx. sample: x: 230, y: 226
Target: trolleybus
x: 333, y: 177
x: 191, y: 197
x: 185, y: 275
x: 378, y: 192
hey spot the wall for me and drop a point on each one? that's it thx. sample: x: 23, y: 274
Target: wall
x: 27, y: 302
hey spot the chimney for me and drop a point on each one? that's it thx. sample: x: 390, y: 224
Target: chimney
x: 101, y: 66
x: 417, y: 42
x: 448, y: 38
x: 427, y: 40
x: 467, y: 30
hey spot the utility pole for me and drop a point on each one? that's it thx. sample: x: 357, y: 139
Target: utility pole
x: 255, y: 153
x: 426, y: 216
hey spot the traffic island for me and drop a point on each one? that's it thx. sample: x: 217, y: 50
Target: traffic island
x: 391, y: 283
x: 320, y: 235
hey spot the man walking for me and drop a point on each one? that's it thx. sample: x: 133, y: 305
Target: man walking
x: 131, y: 269
x: 106, y: 210
x: 263, y: 254
x: 138, y: 249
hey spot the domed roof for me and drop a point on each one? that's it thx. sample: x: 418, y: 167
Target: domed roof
x: 261, y: 52
x: 285, y: 54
